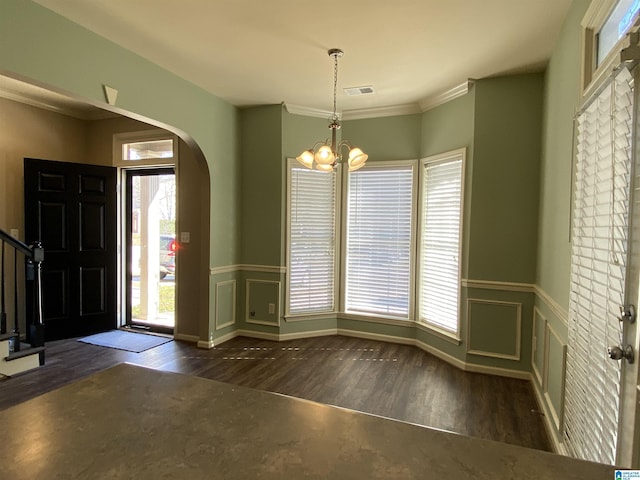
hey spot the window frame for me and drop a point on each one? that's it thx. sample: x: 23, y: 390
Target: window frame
x: 453, y: 155
x: 376, y: 317
x: 593, y: 75
x: 292, y: 163
x: 121, y: 139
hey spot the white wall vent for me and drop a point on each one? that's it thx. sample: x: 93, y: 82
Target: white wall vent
x: 352, y: 91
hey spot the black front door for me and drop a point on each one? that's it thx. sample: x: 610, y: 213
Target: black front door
x: 71, y: 209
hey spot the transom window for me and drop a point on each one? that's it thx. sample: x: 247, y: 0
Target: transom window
x: 145, y: 148
x: 606, y: 23
x: 615, y: 27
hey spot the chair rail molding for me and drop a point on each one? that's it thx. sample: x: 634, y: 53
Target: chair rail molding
x: 243, y: 267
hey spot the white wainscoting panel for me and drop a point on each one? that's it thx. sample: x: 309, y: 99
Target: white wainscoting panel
x: 225, y: 315
x: 554, y: 378
x: 263, y: 302
x: 494, y: 328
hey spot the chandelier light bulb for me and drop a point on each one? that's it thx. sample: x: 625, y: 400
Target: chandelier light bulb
x: 324, y: 156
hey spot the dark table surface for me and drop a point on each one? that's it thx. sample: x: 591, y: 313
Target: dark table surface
x: 133, y: 422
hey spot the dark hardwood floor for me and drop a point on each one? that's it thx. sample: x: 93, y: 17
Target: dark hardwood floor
x: 390, y: 380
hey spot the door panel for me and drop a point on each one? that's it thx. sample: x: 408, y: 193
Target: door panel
x: 71, y: 209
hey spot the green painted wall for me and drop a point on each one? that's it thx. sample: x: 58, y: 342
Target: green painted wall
x: 499, y: 121
x: 449, y: 126
x: 388, y: 138
x: 506, y: 162
x: 261, y: 133
x: 561, y: 101
x: 301, y: 132
x: 562, y: 92
x: 445, y: 128
x: 46, y: 49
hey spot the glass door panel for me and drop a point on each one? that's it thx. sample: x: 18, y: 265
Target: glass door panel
x: 152, y: 249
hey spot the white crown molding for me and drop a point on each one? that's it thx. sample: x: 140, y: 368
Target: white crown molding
x: 61, y: 107
x: 378, y: 112
x: 388, y: 111
x: 307, y: 111
x: 451, y: 94
x: 34, y: 102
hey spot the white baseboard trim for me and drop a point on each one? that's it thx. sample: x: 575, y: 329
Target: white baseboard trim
x: 497, y: 371
x: 451, y: 360
x: 204, y: 344
x: 456, y: 362
x: 186, y: 338
x: 556, y: 442
x: 253, y: 334
x: 269, y: 336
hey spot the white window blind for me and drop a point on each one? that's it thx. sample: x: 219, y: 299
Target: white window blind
x: 379, y: 240
x: 440, y: 242
x: 598, y: 268
x: 312, y: 241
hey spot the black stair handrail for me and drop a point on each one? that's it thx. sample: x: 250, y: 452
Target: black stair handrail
x: 34, y: 255
x: 23, y: 248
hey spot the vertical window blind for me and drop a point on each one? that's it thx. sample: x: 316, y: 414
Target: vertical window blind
x: 598, y: 268
x: 440, y: 243
x: 312, y: 241
x: 379, y: 240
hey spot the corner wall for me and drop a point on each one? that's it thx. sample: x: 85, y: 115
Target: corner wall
x: 561, y: 101
x: 499, y: 123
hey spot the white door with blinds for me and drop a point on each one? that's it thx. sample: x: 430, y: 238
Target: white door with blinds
x: 599, y: 266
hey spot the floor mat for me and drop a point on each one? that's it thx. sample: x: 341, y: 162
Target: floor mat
x: 129, y: 341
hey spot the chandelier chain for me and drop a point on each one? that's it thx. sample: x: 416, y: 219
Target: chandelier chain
x: 327, y: 155
x: 335, y: 85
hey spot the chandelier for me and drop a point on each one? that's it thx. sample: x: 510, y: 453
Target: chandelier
x: 326, y: 155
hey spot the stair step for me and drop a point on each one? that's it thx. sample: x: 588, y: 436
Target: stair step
x: 14, y: 363
x: 6, y: 336
x: 23, y: 353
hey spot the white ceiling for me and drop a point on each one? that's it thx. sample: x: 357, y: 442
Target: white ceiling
x: 251, y: 52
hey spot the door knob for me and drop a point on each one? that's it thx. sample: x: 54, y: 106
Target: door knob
x: 618, y: 353
x: 627, y: 313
